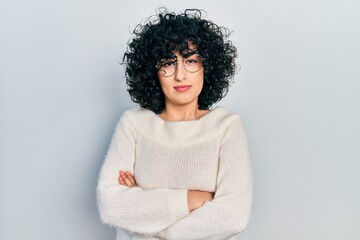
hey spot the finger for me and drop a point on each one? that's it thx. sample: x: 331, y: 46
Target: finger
x: 121, y: 180
x: 131, y: 177
x: 212, y: 196
x: 127, y: 180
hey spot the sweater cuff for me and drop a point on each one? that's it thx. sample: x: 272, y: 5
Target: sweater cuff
x: 178, y: 206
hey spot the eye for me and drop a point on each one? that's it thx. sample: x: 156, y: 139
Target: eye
x: 194, y: 59
x: 191, y: 61
x: 168, y: 63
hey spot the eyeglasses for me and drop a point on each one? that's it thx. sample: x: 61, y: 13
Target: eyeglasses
x: 192, y: 64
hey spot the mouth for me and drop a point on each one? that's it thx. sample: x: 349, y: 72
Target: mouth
x: 182, y: 88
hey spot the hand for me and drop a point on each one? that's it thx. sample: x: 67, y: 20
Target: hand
x: 125, y: 178
x: 197, y: 198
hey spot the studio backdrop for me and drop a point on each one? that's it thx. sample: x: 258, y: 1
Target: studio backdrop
x: 62, y: 90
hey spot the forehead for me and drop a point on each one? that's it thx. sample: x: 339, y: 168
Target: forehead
x: 191, y: 46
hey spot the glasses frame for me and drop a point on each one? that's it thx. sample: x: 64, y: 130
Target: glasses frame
x: 159, y: 64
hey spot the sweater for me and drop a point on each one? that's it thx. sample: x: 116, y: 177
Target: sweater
x: 168, y: 158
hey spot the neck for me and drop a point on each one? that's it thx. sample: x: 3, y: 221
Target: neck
x: 182, y: 113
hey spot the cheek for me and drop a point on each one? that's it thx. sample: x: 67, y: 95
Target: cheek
x: 165, y: 86
x: 201, y: 82
x: 200, y: 85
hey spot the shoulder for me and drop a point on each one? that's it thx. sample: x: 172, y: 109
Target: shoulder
x: 229, y: 124
x: 233, y: 130
x: 224, y: 118
x: 215, y: 124
x: 136, y: 118
x: 136, y: 114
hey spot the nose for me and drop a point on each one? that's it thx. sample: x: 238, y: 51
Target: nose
x: 180, y: 72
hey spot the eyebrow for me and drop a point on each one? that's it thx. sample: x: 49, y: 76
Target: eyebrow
x: 186, y: 54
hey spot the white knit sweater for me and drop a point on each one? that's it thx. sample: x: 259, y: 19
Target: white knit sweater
x: 168, y: 158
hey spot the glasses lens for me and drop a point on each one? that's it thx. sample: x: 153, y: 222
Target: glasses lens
x: 192, y: 64
x: 168, y: 67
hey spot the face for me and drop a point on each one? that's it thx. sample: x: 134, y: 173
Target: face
x: 183, y: 87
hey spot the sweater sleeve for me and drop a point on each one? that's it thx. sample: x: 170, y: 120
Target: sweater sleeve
x: 229, y: 212
x: 145, y: 211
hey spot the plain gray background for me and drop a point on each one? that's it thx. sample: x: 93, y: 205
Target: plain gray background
x: 62, y: 91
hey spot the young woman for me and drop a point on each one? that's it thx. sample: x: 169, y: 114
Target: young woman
x: 176, y: 167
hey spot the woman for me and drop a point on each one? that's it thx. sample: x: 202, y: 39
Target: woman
x: 176, y: 168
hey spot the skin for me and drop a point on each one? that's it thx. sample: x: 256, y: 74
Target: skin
x: 179, y: 106
x: 182, y: 106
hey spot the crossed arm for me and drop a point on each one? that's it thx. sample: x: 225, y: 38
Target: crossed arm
x: 195, y: 198
x: 213, y: 216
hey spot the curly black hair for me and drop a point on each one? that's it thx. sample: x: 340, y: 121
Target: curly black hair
x: 159, y: 38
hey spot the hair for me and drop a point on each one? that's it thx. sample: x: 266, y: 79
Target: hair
x: 163, y: 34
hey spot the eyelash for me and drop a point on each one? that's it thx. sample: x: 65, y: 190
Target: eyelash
x: 168, y: 63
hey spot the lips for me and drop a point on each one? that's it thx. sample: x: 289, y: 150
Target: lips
x: 182, y: 88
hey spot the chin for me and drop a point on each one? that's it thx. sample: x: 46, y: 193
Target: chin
x: 185, y: 102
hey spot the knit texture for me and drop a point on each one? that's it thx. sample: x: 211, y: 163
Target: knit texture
x: 167, y: 159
